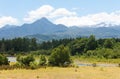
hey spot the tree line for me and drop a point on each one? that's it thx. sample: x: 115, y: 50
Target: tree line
x: 86, y: 46
x: 18, y: 45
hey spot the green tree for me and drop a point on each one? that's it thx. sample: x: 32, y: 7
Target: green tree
x: 33, y: 45
x: 78, y: 46
x: 60, y: 56
x: 108, y: 43
x: 91, y: 43
x: 3, y: 47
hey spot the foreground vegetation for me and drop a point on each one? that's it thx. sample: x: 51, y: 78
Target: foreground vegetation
x: 63, y: 73
x: 60, y: 56
x: 59, y: 52
x: 91, y: 60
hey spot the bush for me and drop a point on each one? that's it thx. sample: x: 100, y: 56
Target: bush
x: 119, y: 65
x: 42, y: 61
x: 3, y: 60
x: 25, y: 59
x: 18, y: 65
x: 60, y: 56
x: 94, y: 64
x: 33, y: 65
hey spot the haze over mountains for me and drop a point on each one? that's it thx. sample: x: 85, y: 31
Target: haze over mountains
x: 43, y: 30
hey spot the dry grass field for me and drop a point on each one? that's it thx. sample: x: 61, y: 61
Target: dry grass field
x: 63, y: 73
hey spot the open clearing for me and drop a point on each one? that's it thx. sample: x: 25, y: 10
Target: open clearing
x: 63, y: 73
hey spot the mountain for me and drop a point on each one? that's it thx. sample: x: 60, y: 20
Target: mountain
x: 45, y: 30
x: 42, y: 26
x: 99, y: 32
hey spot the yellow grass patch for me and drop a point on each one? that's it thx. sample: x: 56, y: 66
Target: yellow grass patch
x: 63, y: 73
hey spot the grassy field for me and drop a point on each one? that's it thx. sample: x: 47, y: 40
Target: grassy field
x: 94, y: 60
x: 63, y: 73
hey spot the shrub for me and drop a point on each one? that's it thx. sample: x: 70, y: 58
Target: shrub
x: 42, y: 61
x: 33, y: 65
x: 3, y: 60
x: 94, y: 64
x: 60, y: 56
x: 119, y: 65
x: 18, y: 65
x: 25, y: 59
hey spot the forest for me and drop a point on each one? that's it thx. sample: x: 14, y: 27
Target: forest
x: 83, y: 46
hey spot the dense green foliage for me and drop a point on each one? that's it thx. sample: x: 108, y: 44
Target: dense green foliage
x: 60, y: 56
x: 82, y: 45
x: 85, y: 46
x: 25, y: 60
x: 54, y: 43
x: 58, y: 52
x: 18, y: 45
x: 3, y: 60
x: 42, y: 60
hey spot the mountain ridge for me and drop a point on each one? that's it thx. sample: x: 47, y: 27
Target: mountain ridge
x: 43, y: 28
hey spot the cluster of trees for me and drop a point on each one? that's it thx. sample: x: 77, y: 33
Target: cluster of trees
x: 60, y: 56
x: 18, y: 45
x: 108, y: 48
x: 54, y: 43
x: 59, y: 51
x: 87, y: 46
x: 103, y: 53
x: 15, y: 45
x: 82, y: 45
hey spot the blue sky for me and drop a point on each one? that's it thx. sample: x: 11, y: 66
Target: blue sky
x: 16, y: 11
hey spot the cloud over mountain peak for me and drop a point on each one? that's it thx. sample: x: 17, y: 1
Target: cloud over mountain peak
x: 72, y: 18
x: 4, y: 20
x: 66, y: 17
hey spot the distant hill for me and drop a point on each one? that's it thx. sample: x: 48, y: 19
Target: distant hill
x: 99, y: 32
x: 45, y: 30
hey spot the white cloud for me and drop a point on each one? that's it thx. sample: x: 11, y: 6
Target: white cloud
x: 7, y: 20
x: 92, y: 19
x: 43, y: 11
x: 60, y: 12
x: 66, y: 17
x: 49, y: 12
x: 71, y: 18
x: 74, y: 21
